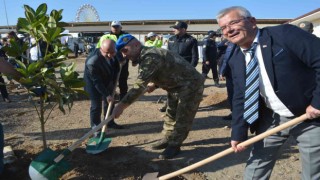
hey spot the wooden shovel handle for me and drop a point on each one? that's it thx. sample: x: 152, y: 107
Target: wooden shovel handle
x: 103, y: 123
x: 104, y: 128
x: 230, y: 150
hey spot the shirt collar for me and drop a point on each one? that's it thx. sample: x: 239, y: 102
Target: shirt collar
x: 255, y: 41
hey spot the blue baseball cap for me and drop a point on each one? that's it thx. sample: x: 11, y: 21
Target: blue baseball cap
x: 123, y: 41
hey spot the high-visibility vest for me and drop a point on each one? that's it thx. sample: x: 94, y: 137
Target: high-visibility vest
x: 106, y: 36
x: 155, y: 43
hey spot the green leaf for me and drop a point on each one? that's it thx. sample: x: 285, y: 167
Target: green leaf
x: 52, y: 22
x: 22, y: 71
x: 21, y: 64
x: 33, y: 67
x: 29, y: 9
x: 25, y: 81
x: 30, y: 16
x: 53, y: 83
x: 41, y: 10
x: 75, y: 84
x: 24, y: 25
x: 44, y: 70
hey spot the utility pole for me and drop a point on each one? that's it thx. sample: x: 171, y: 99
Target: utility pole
x: 5, y: 10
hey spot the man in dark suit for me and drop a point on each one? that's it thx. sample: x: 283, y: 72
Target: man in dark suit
x: 100, y: 76
x: 288, y: 86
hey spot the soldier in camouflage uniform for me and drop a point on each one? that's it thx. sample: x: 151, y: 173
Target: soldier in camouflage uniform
x: 169, y: 71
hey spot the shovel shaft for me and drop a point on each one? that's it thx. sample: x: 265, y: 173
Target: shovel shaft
x: 230, y: 150
x: 111, y: 104
x: 104, y: 128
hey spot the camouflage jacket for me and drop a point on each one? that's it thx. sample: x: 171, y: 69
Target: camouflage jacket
x: 167, y: 70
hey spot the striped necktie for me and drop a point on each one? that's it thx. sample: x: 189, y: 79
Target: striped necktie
x: 251, y: 104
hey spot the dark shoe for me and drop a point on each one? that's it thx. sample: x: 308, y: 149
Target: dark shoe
x: 229, y: 117
x: 8, y: 100
x: 170, y: 152
x: 216, y: 83
x: 163, y: 109
x: 205, y: 76
x: 161, y: 144
x: 114, y: 125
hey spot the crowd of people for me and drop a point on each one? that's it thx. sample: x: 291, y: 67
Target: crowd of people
x: 271, y: 75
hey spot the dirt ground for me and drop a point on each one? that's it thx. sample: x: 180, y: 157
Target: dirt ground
x: 129, y: 155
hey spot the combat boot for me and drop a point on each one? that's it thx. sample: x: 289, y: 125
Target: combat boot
x: 161, y: 144
x: 170, y: 152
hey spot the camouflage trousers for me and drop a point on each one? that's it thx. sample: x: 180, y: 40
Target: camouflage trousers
x: 181, y: 110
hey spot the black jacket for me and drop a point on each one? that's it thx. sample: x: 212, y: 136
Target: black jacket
x: 186, y: 46
x: 209, y: 50
x: 99, y: 75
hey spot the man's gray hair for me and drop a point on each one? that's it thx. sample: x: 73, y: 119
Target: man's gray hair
x: 241, y: 10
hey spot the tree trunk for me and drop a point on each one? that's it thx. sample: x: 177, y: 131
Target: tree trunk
x: 43, y: 131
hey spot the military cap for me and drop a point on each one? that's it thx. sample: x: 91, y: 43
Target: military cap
x: 123, y: 41
x: 212, y: 33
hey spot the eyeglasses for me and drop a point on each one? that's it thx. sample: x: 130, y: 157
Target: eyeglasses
x: 232, y: 23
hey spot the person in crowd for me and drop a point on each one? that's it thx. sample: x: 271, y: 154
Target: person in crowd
x: 76, y: 49
x: 34, y: 52
x: 225, y: 74
x: 3, y: 88
x: 5, y: 68
x: 276, y: 77
x: 222, y: 47
x: 153, y: 40
x: 306, y: 25
x: 12, y: 36
x: 100, y: 75
x: 209, y: 51
x: 167, y: 70
x: 183, y: 44
x: 116, y: 32
x: 1, y: 135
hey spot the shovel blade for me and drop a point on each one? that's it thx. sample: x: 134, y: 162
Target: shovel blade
x: 97, y: 145
x: 151, y: 176
x: 44, y: 166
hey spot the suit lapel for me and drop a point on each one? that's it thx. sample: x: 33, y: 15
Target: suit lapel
x: 266, y: 50
x: 239, y: 66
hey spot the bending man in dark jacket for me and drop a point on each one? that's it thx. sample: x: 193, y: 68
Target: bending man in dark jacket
x: 100, y: 76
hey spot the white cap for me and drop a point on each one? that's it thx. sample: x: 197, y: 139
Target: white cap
x: 150, y: 34
x: 20, y: 36
x: 116, y: 23
x: 33, y: 41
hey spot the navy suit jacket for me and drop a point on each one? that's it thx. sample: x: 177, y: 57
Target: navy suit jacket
x: 292, y: 61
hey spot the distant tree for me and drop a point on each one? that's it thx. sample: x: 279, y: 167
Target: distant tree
x: 49, y: 78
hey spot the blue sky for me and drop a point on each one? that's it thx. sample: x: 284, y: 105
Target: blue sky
x: 109, y: 10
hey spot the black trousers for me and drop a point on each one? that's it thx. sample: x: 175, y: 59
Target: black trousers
x: 214, y: 69
x: 3, y: 89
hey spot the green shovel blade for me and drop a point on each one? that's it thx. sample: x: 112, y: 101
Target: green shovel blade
x: 97, y: 145
x: 45, y: 165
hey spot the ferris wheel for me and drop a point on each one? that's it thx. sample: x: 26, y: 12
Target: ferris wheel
x: 87, y: 13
